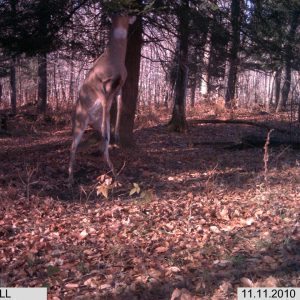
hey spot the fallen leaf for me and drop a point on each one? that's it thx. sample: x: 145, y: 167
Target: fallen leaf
x: 161, y: 249
x: 154, y: 273
x: 71, y: 285
x: 246, y: 282
x: 214, y: 229
x: 83, y: 234
x: 105, y: 286
x: 270, y: 282
x: 269, y: 260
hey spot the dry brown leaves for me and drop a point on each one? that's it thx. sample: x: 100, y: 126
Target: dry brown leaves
x: 200, y: 223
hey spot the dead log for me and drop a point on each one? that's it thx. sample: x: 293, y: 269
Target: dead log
x: 258, y: 141
x: 282, y: 138
x: 240, y: 122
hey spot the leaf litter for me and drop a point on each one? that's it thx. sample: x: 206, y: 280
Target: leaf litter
x: 182, y: 221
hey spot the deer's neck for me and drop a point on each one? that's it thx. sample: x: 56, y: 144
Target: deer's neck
x: 118, y: 43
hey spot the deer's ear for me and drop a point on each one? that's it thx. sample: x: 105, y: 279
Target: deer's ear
x: 132, y: 19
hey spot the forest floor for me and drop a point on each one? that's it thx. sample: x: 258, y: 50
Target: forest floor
x: 188, y: 211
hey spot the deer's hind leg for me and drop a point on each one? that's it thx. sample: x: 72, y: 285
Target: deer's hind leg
x: 118, y: 118
x: 105, y: 131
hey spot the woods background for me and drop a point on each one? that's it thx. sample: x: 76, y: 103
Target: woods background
x: 246, y: 52
x: 191, y: 214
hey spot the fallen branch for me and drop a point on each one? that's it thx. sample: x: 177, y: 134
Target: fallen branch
x: 242, y: 122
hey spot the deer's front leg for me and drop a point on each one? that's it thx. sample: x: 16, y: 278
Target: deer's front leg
x: 105, y: 131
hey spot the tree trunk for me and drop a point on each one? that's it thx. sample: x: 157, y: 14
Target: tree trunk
x: 193, y: 92
x: 42, y: 83
x: 277, y: 86
x: 130, y: 88
x: 56, y: 95
x: 288, y: 62
x: 13, y: 86
x: 166, y: 99
x: 1, y: 92
x: 71, y: 84
x: 178, y: 120
x: 299, y: 112
x: 233, y: 55
x: 209, y: 68
x: 285, y: 88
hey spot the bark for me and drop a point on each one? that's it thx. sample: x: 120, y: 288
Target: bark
x: 166, y: 99
x: 282, y: 103
x: 193, y: 92
x: 196, y: 66
x: 42, y: 83
x: 62, y: 86
x: 233, y: 55
x: 299, y: 112
x: 130, y: 88
x: 178, y: 120
x: 13, y: 86
x: 209, y: 70
x: 1, y: 92
x: 56, y: 95
x: 71, y: 84
x: 277, y: 86
x: 288, y: 62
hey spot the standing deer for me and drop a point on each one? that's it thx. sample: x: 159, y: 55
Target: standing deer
x: 102, y: 84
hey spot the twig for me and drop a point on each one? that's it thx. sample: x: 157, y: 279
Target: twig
x: 122, y: 168
x: 266, y: 155
x: 27, y: 183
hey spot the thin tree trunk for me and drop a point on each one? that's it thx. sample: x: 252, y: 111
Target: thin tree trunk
x: 42, y: 83
x: 277, y: 81
x: 235, y: 46
x: 209, y: 70
x: 178, y: 120
x: 288, y: 62
x: 193, y: 92
x: 285, y: 88
x: 166, y: 99
x: 130, y: 88
x: 299, y: 112
x: 71, y: 85
x: 13, y: 86
x: 56, y: 96
x: 205, y: 62
x: 1, y: 92
x: 62, y: 86
x: 199, y: 68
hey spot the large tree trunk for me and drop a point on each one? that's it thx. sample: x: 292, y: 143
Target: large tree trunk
x: 178, y: 120
x: 130, y: 88
x: 288, y: 62
x: 233, y: 55
x: 13, y: 86
x: 42, y: 83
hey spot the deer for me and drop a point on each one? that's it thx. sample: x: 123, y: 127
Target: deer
x: 101, y: 86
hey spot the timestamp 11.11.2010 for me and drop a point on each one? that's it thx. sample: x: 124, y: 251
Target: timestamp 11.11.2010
x: 281, y: 293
